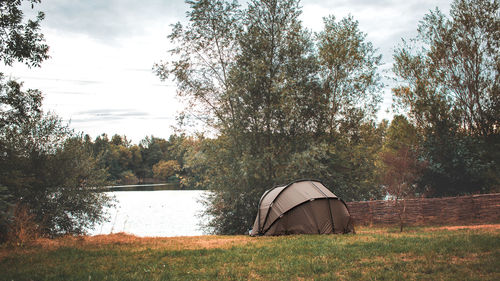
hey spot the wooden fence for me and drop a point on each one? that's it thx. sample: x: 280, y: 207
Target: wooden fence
x: 472, y: 209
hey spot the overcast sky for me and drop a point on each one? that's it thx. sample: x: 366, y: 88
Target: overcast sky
x: 99, y: 77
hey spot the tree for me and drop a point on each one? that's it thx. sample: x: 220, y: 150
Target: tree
x: 151, y: 154
x: 71, y: 180
x: 128, y: 177
x: 257, y: 77
x: 21, y: 41
x: 349, y: 71
x: 458, y: 66
x: 450, y: 88
x: 163, y: 170
x: 400, y: 167
x: 349, y: 140
x: 187, y: 152
x: 136, y: 162
x: 45, y: 170
x: 206, y: 48
x: 117, y: 160
x: 272, y: 90
x: 400, y: 174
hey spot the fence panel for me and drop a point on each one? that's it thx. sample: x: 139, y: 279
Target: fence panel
x: 471, y: 209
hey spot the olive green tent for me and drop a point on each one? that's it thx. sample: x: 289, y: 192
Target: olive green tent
x: 301, y: 207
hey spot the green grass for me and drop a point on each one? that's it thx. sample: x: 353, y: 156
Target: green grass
x: 372, y: 254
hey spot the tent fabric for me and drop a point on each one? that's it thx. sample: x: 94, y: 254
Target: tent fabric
x: 301, y: 207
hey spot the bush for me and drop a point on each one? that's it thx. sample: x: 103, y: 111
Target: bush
x: 22, y: 227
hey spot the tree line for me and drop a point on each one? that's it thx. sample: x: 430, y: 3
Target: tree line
x: 282, y: 103
x: 153, y: 160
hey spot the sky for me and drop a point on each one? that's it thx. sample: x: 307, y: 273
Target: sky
x: 99, y: 78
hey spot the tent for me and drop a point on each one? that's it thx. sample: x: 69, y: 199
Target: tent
x: 301, y: 207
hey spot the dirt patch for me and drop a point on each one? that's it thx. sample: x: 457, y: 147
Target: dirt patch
x: 134, y: 242
x: 210, y: 242
x: 457, y: 227
x: 173, y: 243
x: 472, y: 257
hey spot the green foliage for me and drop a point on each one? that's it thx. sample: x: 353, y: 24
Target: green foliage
x: 206, y: 49
x: 346, y: 165
x: 399, y: 161
x: 165, y: 169
x: 449, y: 79
x: 453, y: 70
x: 21, y: 41
x: 349, y: 71
x: 76, y: 176
x: 458, y: 165
x: 6, y: 207
x: 401, y: 133
x: 153, y: 160
x: 128, y: 177
x: 45, y: 168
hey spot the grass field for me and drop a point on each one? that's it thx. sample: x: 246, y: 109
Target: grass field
x: 425, y: 253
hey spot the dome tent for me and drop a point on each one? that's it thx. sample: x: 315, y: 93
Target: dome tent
x: 301, y: 207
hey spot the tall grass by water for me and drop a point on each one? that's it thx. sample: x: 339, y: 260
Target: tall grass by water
x: 471, y: 253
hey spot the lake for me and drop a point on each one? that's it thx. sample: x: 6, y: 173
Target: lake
x: 163, y: 213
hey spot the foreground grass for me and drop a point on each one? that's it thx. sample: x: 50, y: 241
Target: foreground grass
x: 372, y: 254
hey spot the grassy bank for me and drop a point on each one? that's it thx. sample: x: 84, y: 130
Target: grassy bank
x: 372, y: 254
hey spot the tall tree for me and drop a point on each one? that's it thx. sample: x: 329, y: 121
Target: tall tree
x: 343, y: 113
x: 265, y: 95
x: 351, y: 83
x: 205, y: 50
x: 458, y: 66
x: 449, y: 85
x: 273, y: 80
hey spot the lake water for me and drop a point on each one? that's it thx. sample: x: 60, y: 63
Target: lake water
x: 163, y: 213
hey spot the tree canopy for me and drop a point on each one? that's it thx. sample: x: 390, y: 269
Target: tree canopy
x: 449, y: 86
x: 285, y: 103
x: 21, y: 40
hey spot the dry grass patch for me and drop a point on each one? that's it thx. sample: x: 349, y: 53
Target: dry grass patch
x: 171, y: 243
x: 168, y: 243
x: 490, y: 227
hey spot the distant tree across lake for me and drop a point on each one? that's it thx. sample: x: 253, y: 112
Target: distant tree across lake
x: 153, y: 160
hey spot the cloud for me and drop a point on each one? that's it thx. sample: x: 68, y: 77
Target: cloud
x: 75, y: 93
x: 75, y: 81
x: 113, y: 112
x: 102, y: 52
x: 110, y: 20
x: 107, y: 20
x: 353, y: 5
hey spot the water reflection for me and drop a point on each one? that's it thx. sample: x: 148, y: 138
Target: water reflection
x: 155, y: 213
x: 143, y: 187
